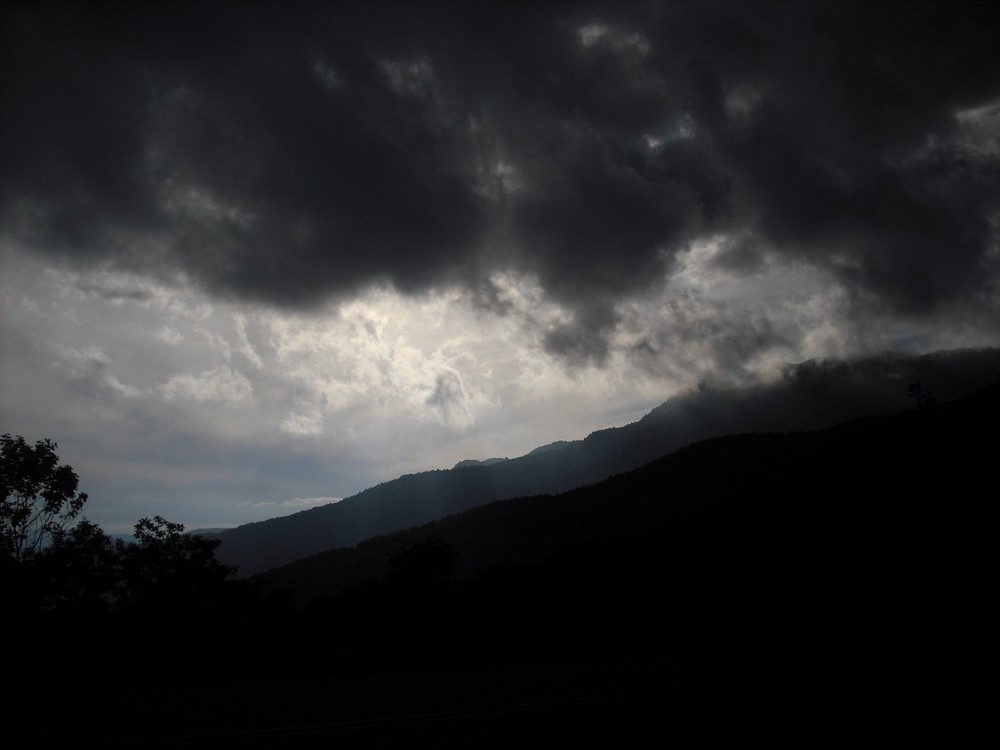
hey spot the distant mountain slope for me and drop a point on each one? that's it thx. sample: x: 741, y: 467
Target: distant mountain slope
x: 888, y: 504
x: 811, y: 395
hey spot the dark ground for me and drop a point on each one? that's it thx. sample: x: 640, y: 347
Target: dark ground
x: 622, y: 703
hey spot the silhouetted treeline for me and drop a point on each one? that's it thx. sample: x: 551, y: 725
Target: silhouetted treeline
x: 97, y: 609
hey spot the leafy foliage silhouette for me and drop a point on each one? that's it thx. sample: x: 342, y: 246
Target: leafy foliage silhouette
x: 60, y: 570
x: 166, y: 569
x: 40, y: 498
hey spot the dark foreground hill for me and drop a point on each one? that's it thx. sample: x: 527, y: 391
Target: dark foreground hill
x: 811, y: 395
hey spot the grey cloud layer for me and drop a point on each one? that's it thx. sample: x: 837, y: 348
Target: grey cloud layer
x: 293, y: 153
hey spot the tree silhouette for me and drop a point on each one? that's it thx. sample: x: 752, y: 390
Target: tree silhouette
x: 53, y: 561
x: 40, y: 498
x: 166, y: 569
x: 80, y: 570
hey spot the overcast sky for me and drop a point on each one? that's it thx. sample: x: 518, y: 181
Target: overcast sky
x: 259, y: 255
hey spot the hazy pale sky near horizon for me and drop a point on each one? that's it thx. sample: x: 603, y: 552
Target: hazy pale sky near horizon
x: 254, y: 256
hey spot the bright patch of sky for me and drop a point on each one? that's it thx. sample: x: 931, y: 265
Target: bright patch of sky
x: 154, y: 391
x: 143, y: 373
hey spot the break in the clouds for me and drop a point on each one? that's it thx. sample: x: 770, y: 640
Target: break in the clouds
x: 415, y: 224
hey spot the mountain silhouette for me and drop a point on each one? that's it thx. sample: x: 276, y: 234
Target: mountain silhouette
x: 809, y: 396
x: 854, y: 503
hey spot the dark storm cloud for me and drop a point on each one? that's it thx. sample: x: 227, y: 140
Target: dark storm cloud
x: 289, y: 153
x: 819, y: 393
x: 693, y: 340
